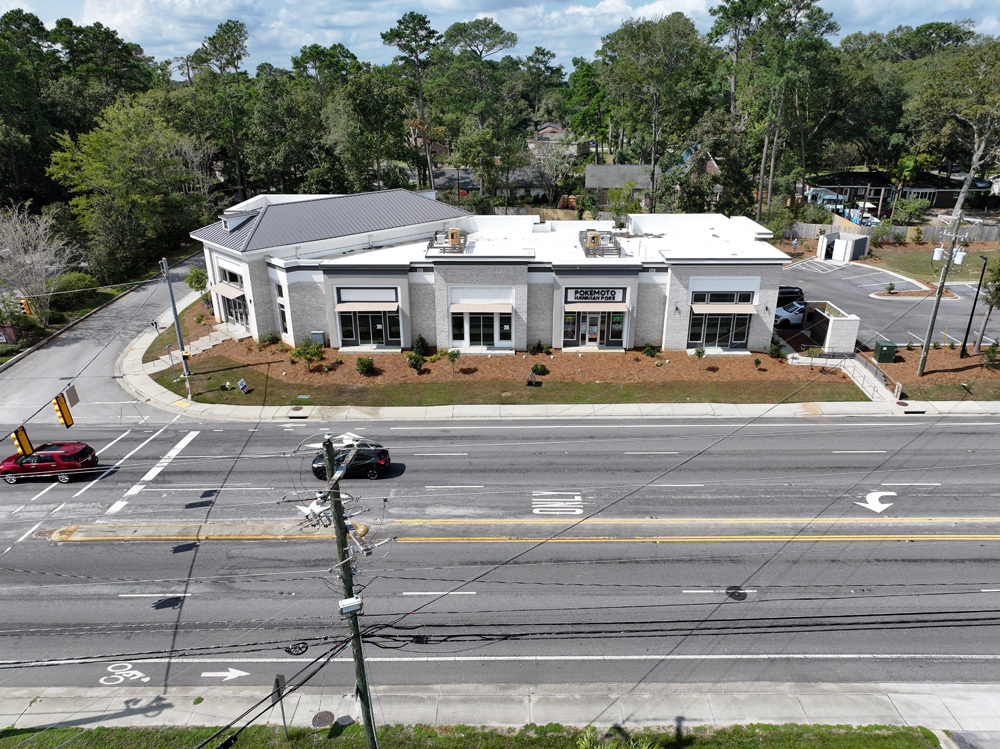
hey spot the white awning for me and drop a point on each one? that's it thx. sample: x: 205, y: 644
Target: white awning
x: 723, y: 309
x: 227, y: 290
x: 597, y: 307
x: 482, y: 308
x: 367, y: 307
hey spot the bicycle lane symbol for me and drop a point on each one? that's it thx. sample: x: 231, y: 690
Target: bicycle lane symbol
x: 120, y: 672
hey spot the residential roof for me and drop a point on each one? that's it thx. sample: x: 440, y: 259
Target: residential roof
x: 920, y: 180
x: 312, y: 219
x: 604, y: 176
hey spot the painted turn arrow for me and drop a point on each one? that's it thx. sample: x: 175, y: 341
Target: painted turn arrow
x: 232, y: 673
x: 872, y: 501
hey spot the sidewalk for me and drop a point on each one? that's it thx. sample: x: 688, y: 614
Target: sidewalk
x: 134, y: 378
x: 953, y: 707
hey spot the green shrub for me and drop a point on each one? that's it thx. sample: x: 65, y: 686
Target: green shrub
x: 650, y: 350
x: 937, y: 345
x: 699, y: 353
x: 415, y: 361
x: 776, y: 351
x: 197, y: 280
x: 72, y: 290
x: 951, y: 345
x: 310, y: 353
x: 909, y: 345
x: 365, y: 366
x: 898, y: 237
x: 198, y: 319
x: 453, y: 355
x: 269, y: 339
x: 890, y: 288
x: 756, y: 362
x: 990, y: 356
x: 421, y: 347
x: 879, y: 235
x: 9, y: 349
x: 539, y: 370
x: 918, y: 234
x: 57, y: 318
x: 338, y: 361
x: 911, y: 211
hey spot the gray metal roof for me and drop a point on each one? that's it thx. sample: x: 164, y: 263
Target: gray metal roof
x: 325, y: 218
x: 605, y: 176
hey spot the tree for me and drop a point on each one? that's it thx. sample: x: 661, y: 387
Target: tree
x: 197, y: 280
x: 541, y: 76
x: 33, y: 254
x: 962, y: 103
x: 129, y: 177
x: 219, y: 61
x: 415, y: 39
x: 327, y: 68
x: 622, y: 201
x: 473, y: 81
x: 990, y: 294
x: 309, y: 353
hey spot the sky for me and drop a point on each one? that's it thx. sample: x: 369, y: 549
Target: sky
x: 570, y: 28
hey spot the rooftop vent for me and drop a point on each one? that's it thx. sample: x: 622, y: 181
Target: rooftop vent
x: 600, y: 244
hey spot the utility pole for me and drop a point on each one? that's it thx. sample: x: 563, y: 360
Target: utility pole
x: 347, y: 578
x: 177, y: 326
x: 958, y: 257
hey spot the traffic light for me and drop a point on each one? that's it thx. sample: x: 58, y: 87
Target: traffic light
x: 21, y: 441
x: 185, y: 355
x: 25, y: 306
x: 62, y: 410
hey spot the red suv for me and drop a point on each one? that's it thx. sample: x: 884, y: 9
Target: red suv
x: 59, y: 459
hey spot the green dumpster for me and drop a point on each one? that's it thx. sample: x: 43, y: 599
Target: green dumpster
x: 885, y: 352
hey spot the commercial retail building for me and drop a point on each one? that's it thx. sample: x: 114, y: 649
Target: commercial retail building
x: 371, y: 271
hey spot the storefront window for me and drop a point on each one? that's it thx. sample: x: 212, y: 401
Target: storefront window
x: 699, y: 297
x: 394, y: 333
x: 722, y: 297
x: 505, y: 327
x: 283, y: 318
x: 617, y: 326
x: 347, y: 326
x: 569, y: 327
x: 740, y: 325
x: 458, y: 327
x: 697, y: 331
x: 744, y: 297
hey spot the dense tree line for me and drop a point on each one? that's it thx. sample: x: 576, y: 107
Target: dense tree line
x: 128, y: 153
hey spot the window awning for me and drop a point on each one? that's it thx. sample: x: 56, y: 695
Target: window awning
x: 367, y: 307
x: 723, y: 309
x: 227, y: 290
x: 482, y: 308
x: 596, y: 307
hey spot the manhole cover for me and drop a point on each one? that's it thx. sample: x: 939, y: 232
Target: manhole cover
x: 323, y: 719
x: 736, y: 593
x: 297, y: 408
x: 902, y: 403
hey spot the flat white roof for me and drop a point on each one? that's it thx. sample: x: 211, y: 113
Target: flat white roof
x: 649, y: 238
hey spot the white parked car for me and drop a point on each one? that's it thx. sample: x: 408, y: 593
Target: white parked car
x: 789, y: 315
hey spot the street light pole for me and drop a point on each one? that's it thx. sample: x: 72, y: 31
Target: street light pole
x: 972, y: 312
x: 177, y: 326
x: 937, y: 297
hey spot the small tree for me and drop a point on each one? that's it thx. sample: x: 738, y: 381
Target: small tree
x: 991, y: 297
x: 890, y: 288
x: 453, y: 355
x: 197, y: 280
x: 539, y: 370
x: 365, y: 366
x: 421, y: 347
x: 310, y: 353
x: 990, y: 356
x: 623, y: 201
x: 756, y: 363
x: 699, y: 352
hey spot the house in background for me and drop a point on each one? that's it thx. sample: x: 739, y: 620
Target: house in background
x: 878, y: 188
x: 369, y: 272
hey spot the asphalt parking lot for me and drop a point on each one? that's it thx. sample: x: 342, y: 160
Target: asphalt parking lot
x: 900, y: 319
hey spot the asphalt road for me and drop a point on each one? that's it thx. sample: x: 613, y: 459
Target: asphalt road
x: 525, y: 552
x: 900, y: 319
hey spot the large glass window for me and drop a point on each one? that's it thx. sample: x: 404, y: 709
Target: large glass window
x: 458, y: 327
x: 740, y: 325
x: 283, y: 318
x: 347, y: 326
x: 722, y: 297
x: 394, y: 332
x: 697, y: 330
x: 617, y: 326
x: 744, y: 297
x: 505, y: 328
x: 569, y: 327
x: 481, y: 330
x: 699, y: 297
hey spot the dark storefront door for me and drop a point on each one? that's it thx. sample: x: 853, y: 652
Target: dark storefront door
x: 370, y: 329
x: 718, y: 330
x: 481, y: 330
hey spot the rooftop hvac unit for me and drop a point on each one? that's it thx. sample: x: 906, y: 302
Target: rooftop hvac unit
x: 454, y: 236
x: 593, y: 239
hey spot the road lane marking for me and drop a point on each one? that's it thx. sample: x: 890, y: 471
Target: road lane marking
x: 457, y: 486
x: 858, y: 452
x: 33, y: 529
x: 990, y: 590
x: 47, y: 488
x: 112, y: 443
x: 653, y: 453
x: 150, y: 439
x: 57, y: 509
x: 154, y: 595
x: 187, y: 488
x: 12, y: 512
x: 927, y: 484
x: 681, y: 486
x: 116, y: 507
x: 868, y: 520
x: 741, y: 590
x: 162, y: 463
x: 440, y: 454
x: 798, y: 538
x: 439, y: 593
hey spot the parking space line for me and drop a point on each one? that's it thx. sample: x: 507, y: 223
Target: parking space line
x: 919, y: 339
x: 33, y: 529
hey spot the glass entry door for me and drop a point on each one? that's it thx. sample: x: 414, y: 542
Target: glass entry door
x: 590, y: 327
x: 718, y: 330
x: 370, y: 328
x: 481, y: 330
x: 236, y: 310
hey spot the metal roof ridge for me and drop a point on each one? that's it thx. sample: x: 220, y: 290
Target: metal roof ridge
x: 253, y: 229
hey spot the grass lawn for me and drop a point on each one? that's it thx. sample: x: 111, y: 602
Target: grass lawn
x: 917, y: 263
x: 952, y: 391
x: 210, y: 374
x: 462, y: 737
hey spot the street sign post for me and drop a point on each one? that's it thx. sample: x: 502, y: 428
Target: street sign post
x: 242, y: 385
x: 277, y: 695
